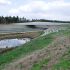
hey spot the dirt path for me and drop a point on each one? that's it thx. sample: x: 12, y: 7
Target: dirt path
x: 54, y: 51
x: 57, y: 51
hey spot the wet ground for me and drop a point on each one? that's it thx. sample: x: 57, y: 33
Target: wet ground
x: 8, y: 43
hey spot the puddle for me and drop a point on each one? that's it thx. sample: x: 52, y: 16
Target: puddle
x: 13, y: 42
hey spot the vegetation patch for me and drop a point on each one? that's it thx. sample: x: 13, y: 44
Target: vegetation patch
x: 21, y: 35
x: 29, y: 47
x: 64, y: 63
x: 40, y: 65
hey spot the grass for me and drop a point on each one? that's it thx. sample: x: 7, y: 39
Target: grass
x: 64, y: 63
x: 39, y: 65
x: 61, y: 33
x: 35, y: 44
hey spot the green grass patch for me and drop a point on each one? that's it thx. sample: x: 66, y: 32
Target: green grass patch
x: 61, y: 33
x: 64, y: 63
x: 40, y: 65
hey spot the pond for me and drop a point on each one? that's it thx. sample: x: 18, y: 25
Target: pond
x: 8, y: 43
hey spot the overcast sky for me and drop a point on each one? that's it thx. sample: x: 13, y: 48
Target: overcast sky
x: 40, y: 9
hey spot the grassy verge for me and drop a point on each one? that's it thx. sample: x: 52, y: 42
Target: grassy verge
x: 64, y: 63
x: 35, y: 44
x: 40, y: 65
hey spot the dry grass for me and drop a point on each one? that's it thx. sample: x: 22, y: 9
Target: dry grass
x: 21, y: 35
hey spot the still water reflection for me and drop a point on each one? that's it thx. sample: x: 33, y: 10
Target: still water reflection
x: 13, y: 42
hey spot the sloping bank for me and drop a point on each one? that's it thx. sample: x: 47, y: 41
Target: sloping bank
x: 20, y: 35
x: 31, y: 35
x: 35, y: 44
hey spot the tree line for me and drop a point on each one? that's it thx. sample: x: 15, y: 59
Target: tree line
x: 14, y: 19
x: 45, y: 20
